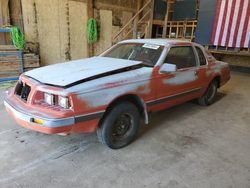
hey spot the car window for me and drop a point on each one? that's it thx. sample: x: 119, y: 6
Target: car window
x: 147, y: 53
x: 181, y: 56
x: 201, y: 56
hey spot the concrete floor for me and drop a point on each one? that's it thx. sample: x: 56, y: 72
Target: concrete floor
x: 186, y: 146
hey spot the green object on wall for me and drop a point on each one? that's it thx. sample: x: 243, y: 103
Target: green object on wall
x: 18, y: 38
x: 92, y: 31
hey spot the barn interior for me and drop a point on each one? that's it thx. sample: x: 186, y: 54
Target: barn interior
x: 55, y: 31
x: 183, y: 147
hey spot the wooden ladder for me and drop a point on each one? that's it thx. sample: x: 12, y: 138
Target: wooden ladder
x: 139, y: 26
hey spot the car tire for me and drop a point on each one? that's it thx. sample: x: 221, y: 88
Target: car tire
x: 120, y: 126
x: 209, y: 97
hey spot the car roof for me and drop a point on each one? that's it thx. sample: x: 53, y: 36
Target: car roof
x: 162, y: 42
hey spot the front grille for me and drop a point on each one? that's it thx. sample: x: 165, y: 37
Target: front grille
x: 22, y: 90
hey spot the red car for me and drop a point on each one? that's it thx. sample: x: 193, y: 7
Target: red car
x: 110, y: 93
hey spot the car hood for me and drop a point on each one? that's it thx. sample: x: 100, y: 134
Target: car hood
x: 66, y: 74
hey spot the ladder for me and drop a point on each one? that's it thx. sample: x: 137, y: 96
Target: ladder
x: 139, y: 26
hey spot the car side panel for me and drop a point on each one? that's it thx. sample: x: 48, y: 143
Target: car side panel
x: 110, y: 88
x: 174, y: 88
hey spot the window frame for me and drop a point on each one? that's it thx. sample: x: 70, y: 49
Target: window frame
x: 194, y: 52
x: 204, y: 54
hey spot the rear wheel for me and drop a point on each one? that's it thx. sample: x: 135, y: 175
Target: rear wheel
x: 120, y: 126
x: 209, y: 97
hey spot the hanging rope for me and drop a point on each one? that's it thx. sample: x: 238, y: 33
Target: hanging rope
x: 18, y: 38
x: 92, y: 31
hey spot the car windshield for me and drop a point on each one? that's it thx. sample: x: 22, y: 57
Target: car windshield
x: 147, y: 53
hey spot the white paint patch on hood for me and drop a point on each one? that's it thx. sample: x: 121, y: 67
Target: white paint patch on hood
x: 63, y: 74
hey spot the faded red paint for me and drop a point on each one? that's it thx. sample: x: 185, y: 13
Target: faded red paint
x: 32, y: 126
x: 86, y: 127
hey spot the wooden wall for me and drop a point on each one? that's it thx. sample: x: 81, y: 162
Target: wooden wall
x: 4, y: 12
x: 105, y: 31
x: 57, y: 30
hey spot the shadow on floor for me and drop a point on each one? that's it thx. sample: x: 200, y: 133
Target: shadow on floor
x: 174, y: 113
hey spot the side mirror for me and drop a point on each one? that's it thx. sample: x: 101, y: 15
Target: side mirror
x: 165, y: 68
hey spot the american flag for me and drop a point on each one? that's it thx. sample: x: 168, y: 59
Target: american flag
x: 232, y: 24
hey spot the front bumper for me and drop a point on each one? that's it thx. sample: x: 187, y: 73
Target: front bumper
x: 50, y: 123
x: 46, y: 125
x: 83, y: 123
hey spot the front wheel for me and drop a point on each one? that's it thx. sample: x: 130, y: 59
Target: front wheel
x: 209, y: 97
x: 120, y: 126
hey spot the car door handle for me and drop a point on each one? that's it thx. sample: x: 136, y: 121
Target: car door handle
x: 196, y: 73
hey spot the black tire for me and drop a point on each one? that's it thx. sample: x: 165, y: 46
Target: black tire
x: 120, y: 126
x: 209, y: 97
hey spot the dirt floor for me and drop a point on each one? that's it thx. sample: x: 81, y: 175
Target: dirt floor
x: 186, y: 146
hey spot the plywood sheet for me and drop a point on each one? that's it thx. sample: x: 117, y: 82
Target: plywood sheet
x: 78, y: 29
x: 4, y: 20
x: 58, y: 26
x: 63, y: 21
x: 48, y: 31
x: 4, y: 13
x: 29, y: 20
x: 126, y: 16
x: 105, y: 32
x: 115, y: 30
x: 16, y: 13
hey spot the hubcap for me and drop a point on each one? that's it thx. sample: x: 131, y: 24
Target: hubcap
x: 122, y: 126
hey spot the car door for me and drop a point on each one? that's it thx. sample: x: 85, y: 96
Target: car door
x: 179, y: 86
x: 202, y: 67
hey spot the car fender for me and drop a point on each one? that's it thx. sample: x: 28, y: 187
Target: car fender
x: 134, y: 98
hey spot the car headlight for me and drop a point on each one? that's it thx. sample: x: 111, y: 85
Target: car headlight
x: 63, y: 102
x: 49, y: 98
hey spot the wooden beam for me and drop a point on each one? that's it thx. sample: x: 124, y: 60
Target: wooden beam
x: 135, y: 25
x: 4, y: 19
x: 4, y: 13
x: 150, y: 26
x: 90, y: 8
x: 139, y: 4
x: 135, y: 22
x: 164, y: 32
x: 90, y: 14
x: 100, y: 5
x: 15, y: 11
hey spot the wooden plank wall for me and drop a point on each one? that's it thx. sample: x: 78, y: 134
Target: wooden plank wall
x: 57, y: 30
x: 10, y: 63
x: 48, y: 26
x: 15, y: 11
x: 4, y: 12
x: 105, y: 32
x: 30, y: 25
x: 78, y: 29
x: 4, y: 20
